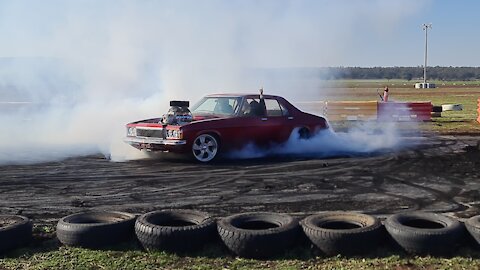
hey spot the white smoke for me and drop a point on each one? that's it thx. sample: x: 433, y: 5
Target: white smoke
x: 82, y: 69
x: 364, y: 138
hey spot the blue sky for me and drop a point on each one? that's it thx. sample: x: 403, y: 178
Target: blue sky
x: 268, y: 33
x: 453, y: 40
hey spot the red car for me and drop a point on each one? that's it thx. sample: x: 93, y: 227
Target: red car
x: 220, y: 123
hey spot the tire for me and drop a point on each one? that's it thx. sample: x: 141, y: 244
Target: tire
x: 425, y: 233
x: 304, y: 134
x: 473, y: 227
x: 343, y: 233
x: 205, y: 147
x: 258, y: 235
x: 95, y: 229
x: 437, y: 109
x: 174, y: 230
x: 452, y: 107
x: 15, y: 231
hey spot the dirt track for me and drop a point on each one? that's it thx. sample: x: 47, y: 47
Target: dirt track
x: 442, y: 174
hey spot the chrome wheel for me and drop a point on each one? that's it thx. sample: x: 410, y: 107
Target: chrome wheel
x: 205, y: 148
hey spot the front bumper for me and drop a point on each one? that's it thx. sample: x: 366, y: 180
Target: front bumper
x: 131, y: 140
x: 155, y: 144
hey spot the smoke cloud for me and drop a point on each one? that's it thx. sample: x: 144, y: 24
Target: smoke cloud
x: 73, y: 73
x: 365, y: 138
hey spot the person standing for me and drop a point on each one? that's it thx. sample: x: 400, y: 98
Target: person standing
x: 385, y: 94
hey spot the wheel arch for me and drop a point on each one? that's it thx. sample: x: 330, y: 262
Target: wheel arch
x: 304, y: 131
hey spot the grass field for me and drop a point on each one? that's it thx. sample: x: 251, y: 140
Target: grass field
x: 49, y: 255
x: 46, y: 253
x: 451, y: 122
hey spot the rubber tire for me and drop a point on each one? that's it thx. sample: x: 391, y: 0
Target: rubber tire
x: 435, y: 241
x: 473, y: 226
x: 258, y: 243
x: 15, y: 235
x: 452, y: 107
x: 95, y: 229
x: 437, y: 109
x: 154, y: 236
x: 304, y: 134
x: 347, y: 241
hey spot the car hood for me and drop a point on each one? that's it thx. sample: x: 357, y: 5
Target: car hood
x: 156, y: 122
x: 199, y: 117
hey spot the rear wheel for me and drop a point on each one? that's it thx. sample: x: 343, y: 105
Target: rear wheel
x: 304, y: 133
x: 205, y: 147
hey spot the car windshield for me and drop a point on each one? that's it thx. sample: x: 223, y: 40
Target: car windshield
x: 225, y: 106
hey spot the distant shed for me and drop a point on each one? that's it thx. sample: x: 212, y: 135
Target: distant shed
x: 425, y: 85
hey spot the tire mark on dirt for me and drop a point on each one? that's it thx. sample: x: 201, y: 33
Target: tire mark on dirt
x: 291, y: 185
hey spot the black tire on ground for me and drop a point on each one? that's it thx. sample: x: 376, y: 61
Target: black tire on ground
x: 437, y: 109
x: 95, y: 229
x: 15, y: 231
x: 473, y: 227
x: 175, y: 230
x: 343, y: 233
x: 258, y: 235
x: 425, y: 233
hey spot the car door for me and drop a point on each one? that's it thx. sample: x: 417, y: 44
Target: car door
x: 250, y: 126
x: 268, y: 124
x: 277, y: 122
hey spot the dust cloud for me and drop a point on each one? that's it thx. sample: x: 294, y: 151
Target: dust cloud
x: 73, y: 73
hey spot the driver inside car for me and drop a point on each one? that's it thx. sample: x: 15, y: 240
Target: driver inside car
x: 223, y: 106
x: 254, y: 108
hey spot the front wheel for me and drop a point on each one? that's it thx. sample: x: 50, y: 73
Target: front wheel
x: 205, y: 147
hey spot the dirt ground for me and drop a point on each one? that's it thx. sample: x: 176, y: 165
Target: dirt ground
x: 439, y: 173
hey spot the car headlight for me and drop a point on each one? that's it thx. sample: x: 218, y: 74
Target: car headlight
x: 131, y: 131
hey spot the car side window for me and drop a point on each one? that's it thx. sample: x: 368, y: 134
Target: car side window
x: 252, y: 107
x: 284, y: 110
x: 274, y: 108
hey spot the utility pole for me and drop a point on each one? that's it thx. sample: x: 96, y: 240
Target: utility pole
x: 425, y: 28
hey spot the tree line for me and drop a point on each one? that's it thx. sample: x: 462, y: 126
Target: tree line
x: 404, y: 73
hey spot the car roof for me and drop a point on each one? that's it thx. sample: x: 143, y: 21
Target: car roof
x: 240, y: 95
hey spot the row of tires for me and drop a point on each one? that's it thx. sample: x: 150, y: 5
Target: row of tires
x: 253, y: 235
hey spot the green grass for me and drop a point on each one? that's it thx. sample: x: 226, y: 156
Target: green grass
x: 45, y: 252
x: 396, y: 83
x: 129, y: 256
x: 451, y: 122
